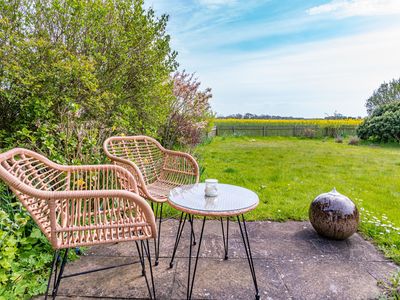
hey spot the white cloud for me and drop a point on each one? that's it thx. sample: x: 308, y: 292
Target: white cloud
x: 348, y: 8
x: 302, y: 80
x: 307, y: 79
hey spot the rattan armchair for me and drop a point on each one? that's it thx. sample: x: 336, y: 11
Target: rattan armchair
x: 80, y: 206
x: 156, y: 169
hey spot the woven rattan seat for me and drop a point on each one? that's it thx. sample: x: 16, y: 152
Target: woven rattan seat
x: 79, y: 205
x: 157, y: 170
x: 160, y: 189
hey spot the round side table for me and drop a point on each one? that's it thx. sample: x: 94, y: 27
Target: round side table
x: 232, y: 201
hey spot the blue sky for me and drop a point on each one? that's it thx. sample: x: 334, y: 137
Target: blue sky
x: 286, y: 57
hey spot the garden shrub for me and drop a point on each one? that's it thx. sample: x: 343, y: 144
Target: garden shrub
x: 354, y: 140
x: 383, y: 125
x: 25, y: 252
x: 71, y: 74
x: 339, y: 139
x: 67, y: 65
x: 190, y: 112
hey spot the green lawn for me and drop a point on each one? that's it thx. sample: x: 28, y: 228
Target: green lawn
x: 288, y: 173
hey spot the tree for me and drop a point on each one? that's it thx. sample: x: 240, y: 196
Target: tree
x: 72, y: 72
x: 383, y: 125
x: 386, y: 93
x: 189, y: 113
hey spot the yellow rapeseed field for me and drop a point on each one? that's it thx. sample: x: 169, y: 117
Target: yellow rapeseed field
x: 291, y: 122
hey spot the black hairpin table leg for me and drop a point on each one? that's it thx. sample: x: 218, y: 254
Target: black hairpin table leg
x: 225, y: 237
x: 191, y: 218
x: 181, y: 225
x: 245, y: 237
x: 191, y: 277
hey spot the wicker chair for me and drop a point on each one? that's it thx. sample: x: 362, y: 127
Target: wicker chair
x: 156, y: 169
x: 80, y: 206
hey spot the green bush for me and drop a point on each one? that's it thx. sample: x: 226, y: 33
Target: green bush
x: 79, y: 71
x: 25, y: 253
x: 383, y: 125
x: 71, y: 74
x: 354, y: 140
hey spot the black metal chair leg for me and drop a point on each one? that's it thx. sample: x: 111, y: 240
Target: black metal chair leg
x: 140, y: 258
x: 151, y: 269
x: 59, y: 275
x: 56, y: 271
x: 226, y: 241
x: 141, y: 251
x: 157, y: 249
x: 53, y: 265
x: 155, y: 211
x: 181, y: 225
x: 246, y: 242
x: 190, y: 285
x: 145, y: 250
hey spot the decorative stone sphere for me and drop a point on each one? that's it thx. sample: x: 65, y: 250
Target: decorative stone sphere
x: 333, y: 215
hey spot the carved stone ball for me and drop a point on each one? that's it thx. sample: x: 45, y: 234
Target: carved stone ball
x: 333, y: 215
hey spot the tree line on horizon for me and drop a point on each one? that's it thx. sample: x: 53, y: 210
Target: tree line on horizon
x: 335, y: 116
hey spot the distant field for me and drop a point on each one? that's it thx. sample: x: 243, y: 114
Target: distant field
x: 308, y: 122
x: 288, y: 173
x: 294, y: 127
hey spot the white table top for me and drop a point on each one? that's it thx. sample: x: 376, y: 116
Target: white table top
x: 231, y: 200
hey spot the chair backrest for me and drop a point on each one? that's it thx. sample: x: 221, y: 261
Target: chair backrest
x: 145, y: 152
x: 23, y: 169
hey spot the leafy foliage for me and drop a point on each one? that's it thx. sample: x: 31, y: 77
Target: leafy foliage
x: 80, y: 69
x: 383, y: 125
x: 386, y: 93
x: 72, y: 73
x: 25, y: 252
x: 190, y: 112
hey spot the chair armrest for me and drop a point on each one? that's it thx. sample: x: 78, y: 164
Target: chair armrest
x: 98, y: 216
x: 180, y: 163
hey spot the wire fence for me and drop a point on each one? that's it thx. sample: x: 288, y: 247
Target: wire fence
x: 289, y: 130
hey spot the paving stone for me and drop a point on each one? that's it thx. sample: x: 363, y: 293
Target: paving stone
x: 228, y: 279
x: 322, y: 279
x: 291, y: 260
x: 119, y: 282
x: 381, y: 270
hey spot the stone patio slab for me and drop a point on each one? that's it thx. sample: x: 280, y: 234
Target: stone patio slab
x: 291, y: 261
